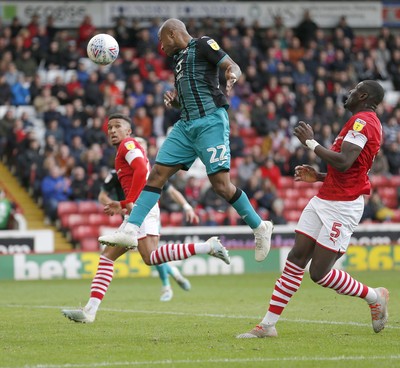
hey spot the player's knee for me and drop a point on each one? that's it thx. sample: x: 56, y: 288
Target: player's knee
x: 317, y: 275
x: 146, y: 260
x: 222, y: 189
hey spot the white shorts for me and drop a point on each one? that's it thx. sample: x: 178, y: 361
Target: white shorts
x: 151, y: 223
x: 331, y: 223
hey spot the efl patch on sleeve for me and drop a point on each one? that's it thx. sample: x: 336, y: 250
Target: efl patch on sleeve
x: 130, y: 145
x: 213, y: 44
x: 359, y: 125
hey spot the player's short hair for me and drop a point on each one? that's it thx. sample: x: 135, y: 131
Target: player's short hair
x: 375, y: 91
x: 117, y: 115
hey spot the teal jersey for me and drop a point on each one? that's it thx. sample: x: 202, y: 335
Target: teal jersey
x: 197, y: 78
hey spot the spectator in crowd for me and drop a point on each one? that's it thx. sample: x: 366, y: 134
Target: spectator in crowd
x: 375, y: 209
x: 26, y: 63
x: 306, y: 29
x: 6, y: 211
x: 5, y: 91
x: 55, y: 189
x: 236, y: 141
x: 289, y: 74
x: 85, y: 31
x: 93, y: 94
x: 277, y: 215
x: 79, y: 184
x: 246, y: 168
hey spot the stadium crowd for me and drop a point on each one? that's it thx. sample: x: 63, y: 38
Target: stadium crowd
x: 54, y: 103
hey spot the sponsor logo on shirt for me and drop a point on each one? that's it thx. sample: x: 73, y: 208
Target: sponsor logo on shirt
x: 130, y: 145
x: 359, y: 125
x: 213, y: 44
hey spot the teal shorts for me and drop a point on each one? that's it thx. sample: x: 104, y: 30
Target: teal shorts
x: 206, y: 138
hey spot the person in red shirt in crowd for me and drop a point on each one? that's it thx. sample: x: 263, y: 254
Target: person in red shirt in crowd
x: 326, y: 224
x: 86, y: 31
x: 271, y: 171
x: 33, y: 26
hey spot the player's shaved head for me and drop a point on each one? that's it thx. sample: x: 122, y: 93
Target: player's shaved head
x: 173, y: 24
x: 375, y: 91
x: 173, y: 36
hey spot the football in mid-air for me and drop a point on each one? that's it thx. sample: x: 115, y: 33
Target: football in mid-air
x: 103, y: 49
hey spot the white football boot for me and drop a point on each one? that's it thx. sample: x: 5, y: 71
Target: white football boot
x: 379, y: 310
x: 262, y: 236
x: 81, y: 315
x: 218, y: 250
x: 260, y: 331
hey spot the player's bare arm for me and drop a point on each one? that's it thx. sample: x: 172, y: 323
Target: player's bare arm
x: 308, y: 174
x: 341, y: 161
x: 232, y: 73
x: 177, y: 196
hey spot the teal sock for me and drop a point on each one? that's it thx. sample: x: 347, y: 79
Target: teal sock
x: 243, y: 207
x: 168, y: 268
x: 163, y: 273
x: 146, y: 201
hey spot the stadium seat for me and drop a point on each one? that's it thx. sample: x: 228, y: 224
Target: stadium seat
x: 286, y: 182
x: 67, y: 208
x: 302, y: 202
x: 115, y: 221
x: 248, y: 132
x: 219, y: 217
x: 176, y: 219
x: 290, y: 203
x: 89, y: 245
x: 164, y: 217
x: 89, y: 207
x: 292, y: 216
x: 73, y: 219
x: 98, y: 219
x: 379, y: 181
x: 84, y: 231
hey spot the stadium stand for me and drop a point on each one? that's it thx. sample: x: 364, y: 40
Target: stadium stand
x: 283, y: 81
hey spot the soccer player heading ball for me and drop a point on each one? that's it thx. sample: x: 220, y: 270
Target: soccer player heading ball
x: 202, y: 131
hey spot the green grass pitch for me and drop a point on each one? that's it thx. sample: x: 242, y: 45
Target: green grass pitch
x: 196, y: 329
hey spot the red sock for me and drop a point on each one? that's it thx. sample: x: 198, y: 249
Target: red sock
x: 171, y: 252
x: 101, y: 281
x: 343, y: 283
x: 285, y: 287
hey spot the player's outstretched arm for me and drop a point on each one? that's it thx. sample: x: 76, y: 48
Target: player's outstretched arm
x: 341, y: 161
x: 177, y: 196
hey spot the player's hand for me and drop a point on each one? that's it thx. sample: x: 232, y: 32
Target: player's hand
x: 191, y: 216
x: 303, y: 132
x: 305, y: 173
x: 113, y: 208
x: 169, y: 98
x: 231, y: 79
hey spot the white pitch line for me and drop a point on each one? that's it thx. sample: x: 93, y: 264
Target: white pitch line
x: 208, y: 315
x: 340, y: 358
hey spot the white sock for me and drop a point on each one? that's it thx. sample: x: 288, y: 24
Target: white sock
x: 202, y: 248
x: 371, y: 296
x: 270, y: 319
x: 92, y: 305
